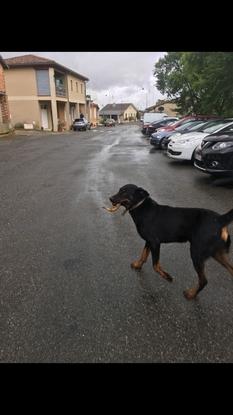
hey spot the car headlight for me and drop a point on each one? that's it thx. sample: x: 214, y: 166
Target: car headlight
x: 220, y: 146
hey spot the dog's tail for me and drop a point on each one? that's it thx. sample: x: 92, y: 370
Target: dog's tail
x: 226, y: 218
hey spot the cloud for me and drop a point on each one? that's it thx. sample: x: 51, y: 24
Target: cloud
x: 118, y: 76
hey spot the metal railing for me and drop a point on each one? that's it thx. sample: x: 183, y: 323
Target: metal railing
x: 60, y: 91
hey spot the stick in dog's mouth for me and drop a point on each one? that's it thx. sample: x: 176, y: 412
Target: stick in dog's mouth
x: 113, y: 208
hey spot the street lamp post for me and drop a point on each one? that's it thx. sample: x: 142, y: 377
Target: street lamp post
x: 143, y: 89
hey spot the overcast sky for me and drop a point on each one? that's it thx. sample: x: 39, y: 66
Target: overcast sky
x: 114, y: 76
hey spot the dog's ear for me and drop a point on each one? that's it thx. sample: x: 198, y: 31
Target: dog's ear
x: 143, y: 193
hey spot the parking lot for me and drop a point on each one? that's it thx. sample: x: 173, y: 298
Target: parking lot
x: 68, y: 293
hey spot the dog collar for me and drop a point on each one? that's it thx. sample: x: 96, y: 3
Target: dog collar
x: 138, y: 204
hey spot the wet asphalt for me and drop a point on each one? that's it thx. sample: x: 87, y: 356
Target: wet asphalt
x: 67, y: 292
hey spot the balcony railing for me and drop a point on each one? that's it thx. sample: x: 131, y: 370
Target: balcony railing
x: 60, y: 91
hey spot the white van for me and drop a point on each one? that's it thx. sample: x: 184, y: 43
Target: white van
x: 153, y: 116
x: 150, y: 117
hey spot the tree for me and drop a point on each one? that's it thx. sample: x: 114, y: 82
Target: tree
x: 201, y: 82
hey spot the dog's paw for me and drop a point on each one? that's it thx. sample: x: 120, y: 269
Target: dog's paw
x: 168, y: 278
x: 190, y: 294
x: 136, y: 265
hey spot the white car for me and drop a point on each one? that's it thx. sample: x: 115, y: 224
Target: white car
x: 182, y: 148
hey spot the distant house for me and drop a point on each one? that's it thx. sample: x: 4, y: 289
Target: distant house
x: 4, y: 106
x: 92, y: 111
x: 119, y: 112
x: 44, y: 93
x: 169, y: 107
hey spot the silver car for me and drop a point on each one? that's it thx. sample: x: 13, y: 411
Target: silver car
x: 81, y: 124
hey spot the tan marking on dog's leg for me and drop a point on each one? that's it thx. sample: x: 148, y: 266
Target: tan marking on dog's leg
x: 164, y: 274
x: 191, y: 293
x: 224, y: 234
x: 138, y: 264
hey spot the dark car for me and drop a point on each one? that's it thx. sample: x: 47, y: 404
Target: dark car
x: 183, y: 129
x: 157, y: 139
x: 159, y: 124
x: 81, y: 124
x: 215, y: 154
x: 187, y: 119
x: 109, y: 122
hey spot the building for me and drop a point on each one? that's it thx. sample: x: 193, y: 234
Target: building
x: 44, y: 93
x: 92, y: 111
x: 94, y: 114
x: 119, y: 112
x: 169, y: 107
x: 4, y: 106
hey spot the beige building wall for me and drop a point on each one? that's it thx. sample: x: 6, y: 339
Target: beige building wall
x: 21, y: 87
x: 75, y: 94
x: 130, y: 110
x: 169, y: 107
x: 24, y: 111
x: 93, y: 115
x: 21, y: 82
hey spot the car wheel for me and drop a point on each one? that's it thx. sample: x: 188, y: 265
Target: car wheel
x: 192, y: 158
x: 161, y: 144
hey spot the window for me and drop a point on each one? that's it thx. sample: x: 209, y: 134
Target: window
x: 76, y: 86
x: 71, y: 85
x: 42, y: 79
x: 81, y: 88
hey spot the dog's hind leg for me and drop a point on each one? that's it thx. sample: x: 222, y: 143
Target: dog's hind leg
x: 155, y: 251
x: 143, y: 258
x: 223, y: 260
x: 199, y: 266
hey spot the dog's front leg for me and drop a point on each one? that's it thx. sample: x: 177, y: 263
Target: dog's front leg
x: 155, y: 252
x: 143, y: 258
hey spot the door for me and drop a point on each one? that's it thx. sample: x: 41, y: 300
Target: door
x: 44, y: 117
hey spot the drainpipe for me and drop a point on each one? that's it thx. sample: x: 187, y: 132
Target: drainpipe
x: 69, y: 122
x: 85, y: 99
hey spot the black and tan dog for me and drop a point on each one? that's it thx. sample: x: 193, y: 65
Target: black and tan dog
x: 205, y: 230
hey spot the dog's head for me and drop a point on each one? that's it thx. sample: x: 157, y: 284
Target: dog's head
x: 129, y: 196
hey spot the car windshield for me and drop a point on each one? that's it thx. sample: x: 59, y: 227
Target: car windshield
x: 79, y: 120
x: 216, y: 126
x: 164, y: 122
x: 187, y: 125
x: 198, y: 124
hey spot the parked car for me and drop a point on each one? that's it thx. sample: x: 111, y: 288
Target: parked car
x: 186, y: 119
x: 159, y: 124
x: 109, y: 122
x: 161, y: 138
x: 183, y: 129
x: 183, y: 148
x: 150, y: 117
x: 81, y: 124
x: 215, y: 154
